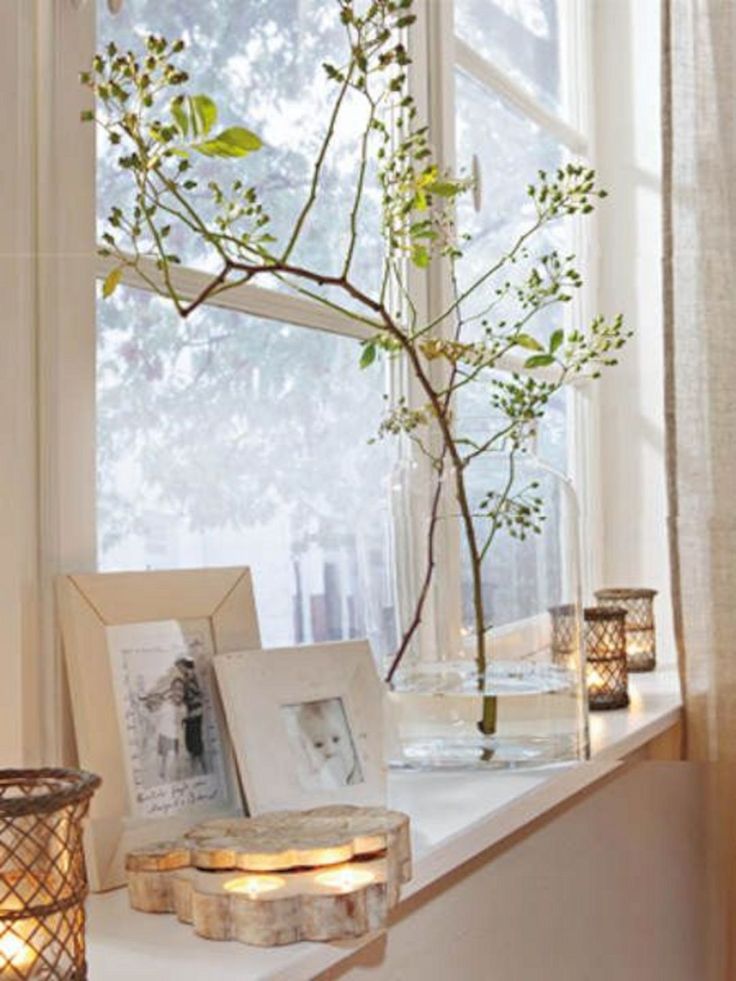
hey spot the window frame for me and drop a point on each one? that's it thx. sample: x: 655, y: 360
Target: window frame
x: 436, y: 44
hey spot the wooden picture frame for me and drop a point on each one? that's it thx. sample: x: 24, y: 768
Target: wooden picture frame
x: 306, y: 725
x: 95, y: 611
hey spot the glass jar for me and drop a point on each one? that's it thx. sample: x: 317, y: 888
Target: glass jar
x: 510, y: 701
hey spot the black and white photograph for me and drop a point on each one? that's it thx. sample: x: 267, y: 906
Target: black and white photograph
x: 319, y: 734
x: 170, y: 730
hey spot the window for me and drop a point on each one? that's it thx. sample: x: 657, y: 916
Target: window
x: 240, y: 436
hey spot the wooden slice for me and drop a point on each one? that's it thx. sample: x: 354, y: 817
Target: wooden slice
x: 282, y: 840
x: 312, y: 875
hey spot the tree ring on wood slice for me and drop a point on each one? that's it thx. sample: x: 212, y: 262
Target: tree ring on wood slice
x: 322, y: 874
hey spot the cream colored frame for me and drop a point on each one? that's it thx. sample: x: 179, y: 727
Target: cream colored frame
x: 255, y: 684
x: 88, y: 604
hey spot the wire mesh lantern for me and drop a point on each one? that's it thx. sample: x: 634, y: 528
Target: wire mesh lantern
x: 605, y: 649
x: 641, y: 653
x: 43, y: 882
x: 564, y: 634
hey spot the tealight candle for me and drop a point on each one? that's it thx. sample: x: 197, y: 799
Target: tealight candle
x: 42, y: 878
x: 16, y: 955
x: 605, y: 652
x: 254, y: 886
x: 641, y: 650
x: 345, y: 879
x: 565, y: 634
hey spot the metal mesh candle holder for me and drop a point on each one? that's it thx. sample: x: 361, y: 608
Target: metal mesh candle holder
x: 43, y: 882
x: 564, y: 634
x: 641, y: 650
x: 605, y: 649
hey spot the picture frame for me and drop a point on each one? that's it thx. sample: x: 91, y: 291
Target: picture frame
x: 123, y: 635
x: 306, y: 725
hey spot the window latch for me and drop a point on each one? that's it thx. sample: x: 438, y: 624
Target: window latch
x: 477, y: 175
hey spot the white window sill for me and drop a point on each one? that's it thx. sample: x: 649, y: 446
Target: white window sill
x: 455, y: 816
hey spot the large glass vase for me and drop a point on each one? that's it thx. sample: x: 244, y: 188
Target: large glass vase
x: 523, y: 704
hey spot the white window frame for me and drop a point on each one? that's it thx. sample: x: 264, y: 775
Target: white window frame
x: 437, y: 45
x: 69, y: 267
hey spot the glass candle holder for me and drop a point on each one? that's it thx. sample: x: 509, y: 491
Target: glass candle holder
x: 43, y: 881
x: 641, y: 652
x: 565, y: 634
x: 605, y: 648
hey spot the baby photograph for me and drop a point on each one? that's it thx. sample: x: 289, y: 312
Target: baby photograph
x: 320, y: 738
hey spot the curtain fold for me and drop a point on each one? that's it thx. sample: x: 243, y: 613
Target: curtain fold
x: 699, y: 265
x: 699, y: 128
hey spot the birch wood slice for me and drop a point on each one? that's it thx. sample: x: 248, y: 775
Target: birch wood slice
x: 308, y: 875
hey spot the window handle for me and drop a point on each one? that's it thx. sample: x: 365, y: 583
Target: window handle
x: 477, y: 175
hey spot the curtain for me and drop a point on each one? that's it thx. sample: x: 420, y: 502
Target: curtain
x: 700, y: 344
x: 699, y: 184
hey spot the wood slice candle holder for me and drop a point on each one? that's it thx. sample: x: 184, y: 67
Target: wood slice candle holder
x: 324, y: 874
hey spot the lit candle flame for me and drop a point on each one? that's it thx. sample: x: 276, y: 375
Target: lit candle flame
x: 346, y: 880
x: 15, y: 952
x: 255, y: 885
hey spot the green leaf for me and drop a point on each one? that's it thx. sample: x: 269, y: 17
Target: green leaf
x: 529, y: 342
x: 202, y: 113
x: 420, y: 256
x: 369, y: 354
x: 539, y: 361
x: 444, y: 189
x: 180, y: 118
x: 233, y: 142
x: 112, y: 281
x: 557, y: 338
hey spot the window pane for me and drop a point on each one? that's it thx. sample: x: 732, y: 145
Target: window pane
x: 521, y: 37
x: 521, y: 579
x: 478, y: 420
x: 510, y: 150
x: 227, y: 440
x: 262, y: 64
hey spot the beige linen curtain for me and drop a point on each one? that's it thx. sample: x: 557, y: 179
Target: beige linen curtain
x: 699, y: 177
x: 699, y: 98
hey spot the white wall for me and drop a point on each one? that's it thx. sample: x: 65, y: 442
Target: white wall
x: 611, y: 889
x: 631, y: 423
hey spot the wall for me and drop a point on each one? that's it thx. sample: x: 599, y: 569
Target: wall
x: 631, y: 423
x: 610, y: 889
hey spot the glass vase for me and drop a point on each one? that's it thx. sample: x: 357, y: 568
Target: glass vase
x: 512, y: 701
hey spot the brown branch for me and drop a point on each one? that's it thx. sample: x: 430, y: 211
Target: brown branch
x: 424, y: 592
x: 208, y: 290
x: 319, y: 163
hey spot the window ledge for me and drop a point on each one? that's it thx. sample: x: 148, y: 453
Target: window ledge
x: 455, y: 817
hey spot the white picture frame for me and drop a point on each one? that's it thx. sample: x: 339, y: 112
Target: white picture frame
x: 108, y: 617
x: 306, y: 725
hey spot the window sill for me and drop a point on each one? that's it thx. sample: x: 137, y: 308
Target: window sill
x: 455, y: 817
